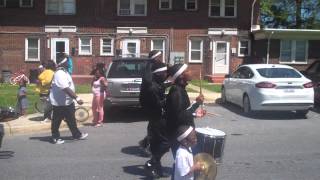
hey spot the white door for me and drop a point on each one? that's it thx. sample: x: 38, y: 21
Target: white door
x: 221, y: 57
x: 131, y: 48
x: 58, y: 47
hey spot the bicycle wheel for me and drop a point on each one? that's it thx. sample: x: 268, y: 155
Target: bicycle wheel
x: 13, y: 81
x: 81, y: 114
x: 41, y: 105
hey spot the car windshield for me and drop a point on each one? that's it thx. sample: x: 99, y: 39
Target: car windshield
x: 278, y: 73
x: 126, y: 69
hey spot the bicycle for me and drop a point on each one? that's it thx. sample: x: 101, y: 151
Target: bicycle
x: 17, y: 77
x: 81, y: 113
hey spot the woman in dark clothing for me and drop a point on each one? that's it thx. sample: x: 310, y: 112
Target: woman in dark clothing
x: 179, y: 110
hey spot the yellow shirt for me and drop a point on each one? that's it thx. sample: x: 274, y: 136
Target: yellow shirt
x: 45, y: 79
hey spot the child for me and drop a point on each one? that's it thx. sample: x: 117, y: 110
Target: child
x: 22, y: 104
x: 184, y: 167
x: 99, y: 86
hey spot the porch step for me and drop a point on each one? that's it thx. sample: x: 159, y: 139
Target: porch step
x: 216, y: 79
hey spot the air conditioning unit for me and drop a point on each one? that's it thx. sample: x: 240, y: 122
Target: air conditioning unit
x: 124, y: 12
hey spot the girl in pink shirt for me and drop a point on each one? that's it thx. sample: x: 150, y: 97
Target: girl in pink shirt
x: 99, y: 87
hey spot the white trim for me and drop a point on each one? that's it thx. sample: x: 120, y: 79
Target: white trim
x: 239, y: 48
x: 223, y: 31
x: 54, y: 48
x: 80, y: 48
x: 190, y: 50
x: 124, y: 47
x: 4, y: 3
x: 214, y: 54
x: 170, y: 5
x: 60, y: 9
x: 132, y: 9
x: 26, y: 6
x: 101, y: 47
x: 27, y: 48
x: 50, y: 28
x: 293, y: 52
x: 195, y: 2
x: 222, y: 10
x: 132, y: 30
x: 163, y: 47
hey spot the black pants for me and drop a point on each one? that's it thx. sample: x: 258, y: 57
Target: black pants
x: 67, y: 113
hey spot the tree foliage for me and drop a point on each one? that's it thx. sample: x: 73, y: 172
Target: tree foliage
x: 290, y: 13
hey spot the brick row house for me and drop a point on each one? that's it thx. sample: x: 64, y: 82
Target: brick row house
x: 215, y: 36
x: 210, y: 34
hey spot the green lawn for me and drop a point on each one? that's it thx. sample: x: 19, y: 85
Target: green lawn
x: 207, y: 85
x: 8, y: 95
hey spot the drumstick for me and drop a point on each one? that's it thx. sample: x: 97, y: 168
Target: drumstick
x: 201, y: 106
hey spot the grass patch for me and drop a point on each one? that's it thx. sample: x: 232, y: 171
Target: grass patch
x: 207, y: 85
x: 8, y: 95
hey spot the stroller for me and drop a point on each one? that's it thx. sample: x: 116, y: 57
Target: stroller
x: 8, y: 113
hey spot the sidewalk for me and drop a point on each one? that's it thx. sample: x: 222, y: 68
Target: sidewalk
x: 32, y: 123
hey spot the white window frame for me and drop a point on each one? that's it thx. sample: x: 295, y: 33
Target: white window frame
x: 4, y: 3
x: 60, y: 10
x: 293, y: 52
x: 26, y: 6
x: 190, y: 51
x: 80, y: 46
x: 222, y: 9
x: 27, y: 47
x: 132, y: 8
x: 186, y: 2
x: 163, y: 47
x: 101, y: 47
x: 239, y: 48
x: 170, y: 5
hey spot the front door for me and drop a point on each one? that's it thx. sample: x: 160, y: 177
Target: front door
x: 59, y: 46
x: 221, y: 57
x: 131, y: 48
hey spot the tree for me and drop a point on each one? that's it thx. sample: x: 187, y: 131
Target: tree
x: 290, y: 13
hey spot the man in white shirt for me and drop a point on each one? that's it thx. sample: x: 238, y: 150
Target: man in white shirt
x: 62, y: 95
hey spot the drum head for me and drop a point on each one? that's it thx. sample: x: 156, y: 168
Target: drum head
x: 81, y: 114
x: 211, y: 132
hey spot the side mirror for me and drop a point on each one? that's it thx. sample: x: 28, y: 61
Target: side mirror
x: 227, y: 76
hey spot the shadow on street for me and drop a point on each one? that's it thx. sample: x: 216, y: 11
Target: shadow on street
x: 124, y: 115
x: 134, y: 150
x: 261, y: 115
x: 139, y: 170
x: 6, y: 154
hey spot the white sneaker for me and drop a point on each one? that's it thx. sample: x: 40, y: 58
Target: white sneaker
x: 57, y: 141
x: 83, y: 136
x: 46, y: 120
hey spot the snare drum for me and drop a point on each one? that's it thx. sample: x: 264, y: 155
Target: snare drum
x: 210, y: 141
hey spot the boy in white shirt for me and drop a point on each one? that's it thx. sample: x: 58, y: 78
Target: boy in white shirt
x: 184, y: 167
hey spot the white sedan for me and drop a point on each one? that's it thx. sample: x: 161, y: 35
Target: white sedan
x: 268, y: 87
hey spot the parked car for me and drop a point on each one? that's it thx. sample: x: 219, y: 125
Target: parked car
x: 124, y: 76
x: 268, y: 87
x: 313, y: 73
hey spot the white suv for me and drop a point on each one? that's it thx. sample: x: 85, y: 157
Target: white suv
x: 124, y: 78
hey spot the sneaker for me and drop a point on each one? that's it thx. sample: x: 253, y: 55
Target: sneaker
x: 83, y: 136
x: 46, y: 120
x: 98, y: 125
x: 57, y: 141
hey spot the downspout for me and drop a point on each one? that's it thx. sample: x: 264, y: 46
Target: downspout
x: 268, y: 49
x: 252, y: 10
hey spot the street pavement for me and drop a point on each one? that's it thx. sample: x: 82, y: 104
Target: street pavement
x: 267, y: 146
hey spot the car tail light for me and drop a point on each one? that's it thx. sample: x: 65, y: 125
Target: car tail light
x: 265, y: 85
x: 308, y: 85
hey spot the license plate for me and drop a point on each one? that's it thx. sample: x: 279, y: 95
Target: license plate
x: 289, y: 90
x: 132, y: 87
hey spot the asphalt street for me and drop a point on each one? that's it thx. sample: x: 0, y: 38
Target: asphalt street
x: 267, y: 146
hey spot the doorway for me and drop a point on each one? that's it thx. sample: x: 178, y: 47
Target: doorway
x: 59, y: 46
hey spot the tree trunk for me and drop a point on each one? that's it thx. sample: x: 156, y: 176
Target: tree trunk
x: 298, y: 14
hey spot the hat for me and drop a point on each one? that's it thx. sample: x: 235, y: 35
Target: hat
x: 154, y: 53
x: 185, y: 133
x: 40, y: 66
x: 158, y: 67
x: 176, y: 70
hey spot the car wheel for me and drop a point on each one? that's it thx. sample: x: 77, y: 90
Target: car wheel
x: 223, y: 96
x: 302, y: 113
x: 246, y: 105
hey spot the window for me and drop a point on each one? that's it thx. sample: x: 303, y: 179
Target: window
x: 195, y: 50
x: 159, y: 44
x: 278, y: 73
x: 106, y: 46
x: 132, y: 7
x: 60, y: 7
x: 26, y: 3
x: 2, y: 3
x: 32, y: 49
x: 85, y: 46
x: 222, y: 8
x: 244, y: 48
x: 165, y: 4
x: 191, y: 5
x: 293, y: 51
